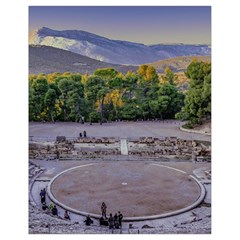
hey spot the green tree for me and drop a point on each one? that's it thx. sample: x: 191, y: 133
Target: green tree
x: 50, y: 101
x: 64, y: 86
x: 131, y: 111
x: 207, y: 95
x: 96, y: 91
x: 106, y: 73
x: 105, y: 95
x: 101, y: 96
x: 38, y: 87
x: 198, y: 98
x: 148, y: 85
x: 76, y: 103
x: 31, y: 105
x: 169, y: 76
x: 130, y: 85
x: 167, y: 102
x: 71, y: 98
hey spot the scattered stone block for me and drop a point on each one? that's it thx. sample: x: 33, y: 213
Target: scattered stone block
x: 60, y: 138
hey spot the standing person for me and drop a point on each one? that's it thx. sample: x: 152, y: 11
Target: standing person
x: 44, y: 192
x: 43, y: 199
x: 120, y: 217
x: 116, y: 221
x: 111, y: 221
x: 43, y: 195
x: 104, y: 210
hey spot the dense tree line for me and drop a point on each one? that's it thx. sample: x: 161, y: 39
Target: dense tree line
x: 108, y: 95
x: 197, y: 103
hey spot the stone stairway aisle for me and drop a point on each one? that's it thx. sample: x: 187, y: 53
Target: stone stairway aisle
x: 124, y: 147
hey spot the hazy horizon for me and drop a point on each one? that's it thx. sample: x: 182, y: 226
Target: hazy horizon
x: 147, y: 25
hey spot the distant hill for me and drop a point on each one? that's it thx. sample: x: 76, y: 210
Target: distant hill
x: 113, y: 51
x: 45, y: 59
x: 178, y: 64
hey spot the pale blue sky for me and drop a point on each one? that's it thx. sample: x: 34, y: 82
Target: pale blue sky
x: 148, y: 25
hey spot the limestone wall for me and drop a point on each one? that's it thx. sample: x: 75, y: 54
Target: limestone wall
x: 103, y: 147
x: 170, y: 147
x: 75, y: 149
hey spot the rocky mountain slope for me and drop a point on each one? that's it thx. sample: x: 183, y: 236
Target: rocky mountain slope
x: 112, y: 51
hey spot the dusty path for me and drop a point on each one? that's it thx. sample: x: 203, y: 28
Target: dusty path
x: 116, y: 129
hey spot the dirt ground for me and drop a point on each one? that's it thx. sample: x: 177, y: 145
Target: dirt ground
x: 167, y: 128
x: 134, y: 188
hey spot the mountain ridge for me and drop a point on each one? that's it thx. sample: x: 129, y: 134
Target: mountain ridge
x: 112, y: 51
x: 45, y: 59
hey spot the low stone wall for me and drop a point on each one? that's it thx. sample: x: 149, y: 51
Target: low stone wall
x: 97, y: 140
x: 77, y: 149
x: 102, y: 147
x: 170, y: 148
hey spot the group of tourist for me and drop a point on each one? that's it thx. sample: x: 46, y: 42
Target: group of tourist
x: 43, y: 199
x: 113, y: 221
x: 83, y: 135
x: 52, y: 207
